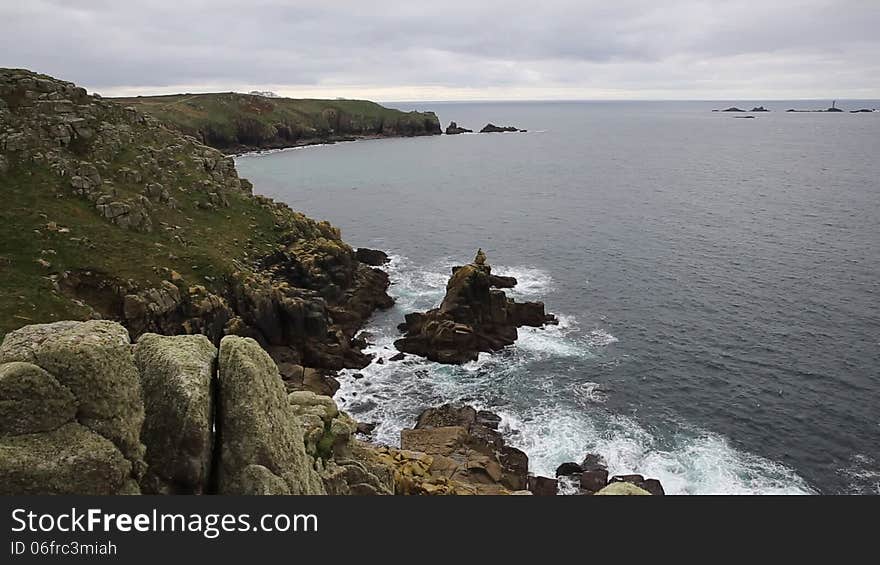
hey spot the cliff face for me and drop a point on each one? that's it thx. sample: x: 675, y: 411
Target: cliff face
x: 235, y: 122
x: 107, y: 213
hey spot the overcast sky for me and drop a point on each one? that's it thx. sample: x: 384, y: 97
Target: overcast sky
x: 454, y: 49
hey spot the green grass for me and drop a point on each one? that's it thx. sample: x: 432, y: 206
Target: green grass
x: 227, y: 120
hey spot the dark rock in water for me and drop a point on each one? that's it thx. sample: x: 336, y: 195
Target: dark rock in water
x: 372, y: 257
x: 466, y: 448
x: 473, y: 317
x: 733, y: 109
x: 543, y: 486
x: 862, y: 111
x: 593, y: 461
x: 634, y: 479
x: 492, y: 128
x: 568, y: 469
x: 398, y: 357
x: 453, y: 129
x: 595, y: 480
x: 760, y: 109
x: 745, y: 117
x: 357, y: 376
x: 653, y: 486
x: 366, y: 428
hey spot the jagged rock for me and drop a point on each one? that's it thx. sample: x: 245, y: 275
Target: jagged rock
x: 466, y: 448
x: 177, y: 376
x: 492, y: 128
x: 473, y: 317
x: 733, y: 109
x: 453, y: 129
x: 32, y: 400
x: 623, y: 489
x: 93, y: 360
x: 593, y: 461
x: 257, y: 423
x: 372, y: 257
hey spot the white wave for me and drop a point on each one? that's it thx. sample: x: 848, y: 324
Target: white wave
x: 600, y: 338
x: 543, y: 413
x: 530, y: 281
x: 862, y: 475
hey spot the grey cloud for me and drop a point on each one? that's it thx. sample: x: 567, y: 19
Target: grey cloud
x: 691, y: 47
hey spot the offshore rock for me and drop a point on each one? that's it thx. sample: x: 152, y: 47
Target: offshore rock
x: 473, y: 317
x: 492, y: 128
x: 454, y: 129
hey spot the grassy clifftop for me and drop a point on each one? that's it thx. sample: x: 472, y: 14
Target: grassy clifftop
x: 109, y: 213
x: 232, y: 122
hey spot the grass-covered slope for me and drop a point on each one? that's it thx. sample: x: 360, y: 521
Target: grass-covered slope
x: 106, y: 212
x: 232, y: 122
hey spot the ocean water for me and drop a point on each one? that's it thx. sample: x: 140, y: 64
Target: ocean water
x: 717, y: 280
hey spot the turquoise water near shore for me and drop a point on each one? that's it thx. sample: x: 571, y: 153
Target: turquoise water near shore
x: 716, y: 279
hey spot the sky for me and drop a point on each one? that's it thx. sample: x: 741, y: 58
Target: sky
x: 394, y: 50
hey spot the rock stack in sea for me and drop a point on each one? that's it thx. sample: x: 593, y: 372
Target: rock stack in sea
x: 475, y: 316
x: 454, y: 129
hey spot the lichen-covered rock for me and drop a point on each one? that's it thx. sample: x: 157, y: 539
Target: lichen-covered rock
x: 177, y: 376
x: 258, y: 480
x: 93, y: 360
x: 623, y: 489
x: 32, y: 400
x: 257, y: 424
x: 69, y: 460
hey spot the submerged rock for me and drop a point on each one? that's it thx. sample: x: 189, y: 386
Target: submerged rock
x: 473, y: 317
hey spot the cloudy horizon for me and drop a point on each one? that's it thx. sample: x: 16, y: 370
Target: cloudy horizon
x: 490, y: 50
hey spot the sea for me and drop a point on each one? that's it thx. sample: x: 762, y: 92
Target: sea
x: 717, y: 282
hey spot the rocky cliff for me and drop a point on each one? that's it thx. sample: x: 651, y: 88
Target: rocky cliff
x: 236, y: 122
x: 110, y: 214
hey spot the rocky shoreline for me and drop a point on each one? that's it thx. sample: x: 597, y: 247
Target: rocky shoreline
x: 166, y: 331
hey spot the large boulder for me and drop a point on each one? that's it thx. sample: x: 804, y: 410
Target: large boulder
x: 69, y: 460
x: 32, y: 400
x: 473, y: 317
x: 92, y: 362
x: 258, y: 426
x: 177, y: 376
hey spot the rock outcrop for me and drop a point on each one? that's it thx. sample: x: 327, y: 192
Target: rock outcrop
x: 492, y: 128
x: 473, y: 317
x: 454, y: 129
x: 72, y: 411
x: 177, y: 377
x: 261, y: 440
x: 466, y: 447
